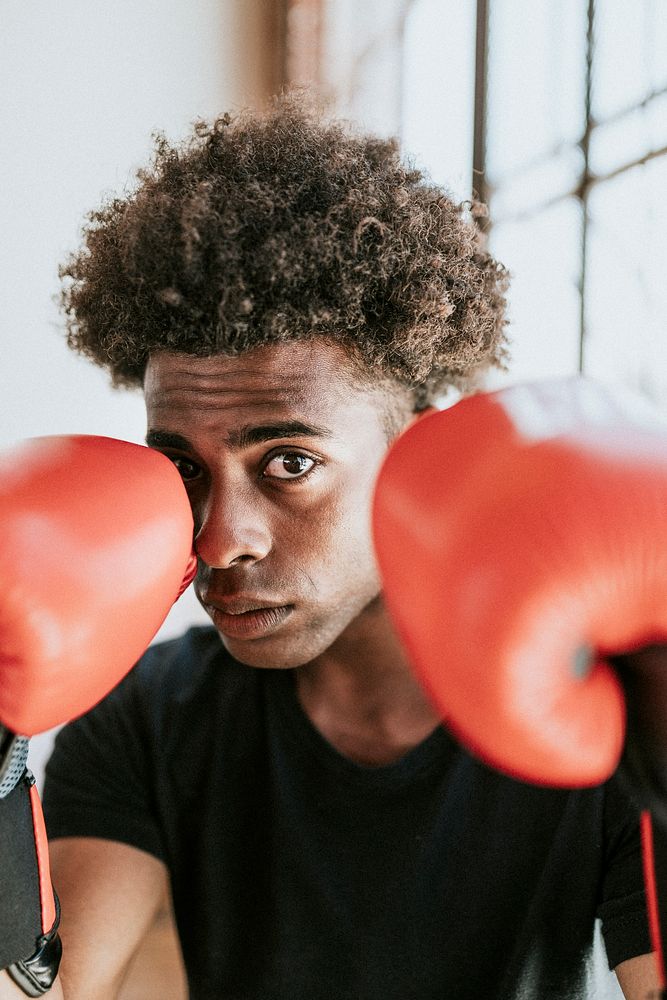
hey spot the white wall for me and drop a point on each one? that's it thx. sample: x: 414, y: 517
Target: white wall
x: 83, y: 85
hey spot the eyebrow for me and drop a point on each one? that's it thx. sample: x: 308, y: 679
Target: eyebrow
x: 244, y: 437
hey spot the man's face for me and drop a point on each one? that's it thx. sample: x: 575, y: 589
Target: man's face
x: 279, y: 450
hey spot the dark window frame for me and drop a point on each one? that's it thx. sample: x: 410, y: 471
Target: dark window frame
x: 587, y: 180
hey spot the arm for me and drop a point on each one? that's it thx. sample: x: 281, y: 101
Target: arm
x: 10, y: 991
x: 76, y: 506
x: 638, y: 977
x: 109, y: 893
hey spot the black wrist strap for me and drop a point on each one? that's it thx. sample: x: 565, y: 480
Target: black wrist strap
x: 30, y: 948
x: 36, y: 975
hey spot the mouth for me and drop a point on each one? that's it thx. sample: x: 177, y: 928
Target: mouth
x: 247, y: 619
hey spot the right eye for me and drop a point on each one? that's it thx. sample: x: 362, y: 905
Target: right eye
x: 188, y: 469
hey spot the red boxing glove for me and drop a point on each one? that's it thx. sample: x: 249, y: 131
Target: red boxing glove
x: 522, y: 540
x: 96, y: 547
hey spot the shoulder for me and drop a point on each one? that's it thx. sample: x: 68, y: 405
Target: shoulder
x: 177, y: 693
x: 179, y: 666
x: 179, y: 708
x: 187, y: 679
x: 186, y: 668
x: 183, y: 661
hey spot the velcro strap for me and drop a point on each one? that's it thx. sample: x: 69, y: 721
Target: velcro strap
x: 13, y: 759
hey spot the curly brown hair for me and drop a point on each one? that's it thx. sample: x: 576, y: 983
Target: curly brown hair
x: 282, y: 225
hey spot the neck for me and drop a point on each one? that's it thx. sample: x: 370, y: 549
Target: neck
x: 361, y: 693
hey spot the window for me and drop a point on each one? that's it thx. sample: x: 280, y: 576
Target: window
x: 555, y: 112
x: 576, y: 163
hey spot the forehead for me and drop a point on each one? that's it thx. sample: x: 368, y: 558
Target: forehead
x: 313, y: 377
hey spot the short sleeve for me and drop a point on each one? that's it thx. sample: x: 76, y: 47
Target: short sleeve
x: 99, y: 779
x: 622, y: 910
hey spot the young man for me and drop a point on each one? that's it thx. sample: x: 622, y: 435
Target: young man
x: 289, y: 296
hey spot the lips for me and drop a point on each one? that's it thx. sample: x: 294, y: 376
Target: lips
x: 246, y: 618
x: 239, y: 604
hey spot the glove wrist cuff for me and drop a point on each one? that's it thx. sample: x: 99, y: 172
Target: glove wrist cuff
x: 36, y: 975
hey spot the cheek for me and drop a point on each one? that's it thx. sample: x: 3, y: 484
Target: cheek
x: 337, y: 540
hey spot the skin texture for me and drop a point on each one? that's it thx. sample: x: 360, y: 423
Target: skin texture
x: 638, y: 978
x: 268, y: 527
x: 299, y: 540
x: 109, y: 893
x: 303, y: 541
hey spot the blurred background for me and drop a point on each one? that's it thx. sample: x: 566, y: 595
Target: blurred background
x: 554, y: 112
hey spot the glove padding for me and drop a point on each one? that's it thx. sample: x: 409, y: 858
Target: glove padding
x: 522, y: 540
x: 97, y: 545
x: 97, y: 540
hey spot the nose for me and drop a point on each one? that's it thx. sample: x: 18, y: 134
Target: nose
x: 231, y: 529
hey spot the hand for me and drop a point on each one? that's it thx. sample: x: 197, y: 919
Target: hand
x: 97, y: 539
x: 522, y: 540
x: 96, y: 546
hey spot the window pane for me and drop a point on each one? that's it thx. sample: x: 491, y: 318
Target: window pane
x: 626, y: 290
x: 530, y: 190
x: 537, y: 51
x: 439, y: 89
x: 629, y: 137
x: 350, y: 28
x: 543, y: 253
x: 361, y: 61
x: 630, y: 53
x: 375, y: 99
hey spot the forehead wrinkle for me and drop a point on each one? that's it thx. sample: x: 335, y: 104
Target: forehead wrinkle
x: 302, y: 394
x: 211, y: 381
x: 215, y: 402
x: 265, y: 409
x: 289, y: 372
x: 311, y: 394
x: 212, y: 399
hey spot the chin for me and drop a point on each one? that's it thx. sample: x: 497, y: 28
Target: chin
x: 296, y: 642
x: 279, y: 654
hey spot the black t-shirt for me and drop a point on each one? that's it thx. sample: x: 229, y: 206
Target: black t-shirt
x: 299, y: 875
